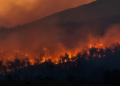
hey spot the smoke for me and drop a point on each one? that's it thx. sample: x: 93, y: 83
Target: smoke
x: 14, y: 12
x: 112, y: 35
x: 57, y: 39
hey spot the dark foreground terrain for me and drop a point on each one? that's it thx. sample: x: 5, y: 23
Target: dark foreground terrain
x: 44, y: 83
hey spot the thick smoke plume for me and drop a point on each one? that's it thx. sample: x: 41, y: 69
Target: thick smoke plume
x: 15, y: 12
x: 54, y: 39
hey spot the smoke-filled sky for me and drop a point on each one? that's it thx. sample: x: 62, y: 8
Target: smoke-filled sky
x: 14, y: 12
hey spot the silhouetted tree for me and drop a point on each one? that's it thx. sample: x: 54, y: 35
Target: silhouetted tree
x: 72, y: 58
x: 49, y: 61
x: 15, y: 77
x: 30, y: 77
x: 66, y: 57
x: 18, y: 78
x: 41, y: 56
x: 70, y: 78
x: 26, y: 78
x: 108, y: 53
x: 37, y: 62
x: 27, y: 61
x: 39, y: 77
x: 62, y: 58
x: 116, y: 77
x: 48, y: 78
x: 91, y: 81
x: 1, y: 64
x: 101, y: 52
x: 9, y: 77
x: 93, y: 50
x: 12, y: 65
x: 107, y: 77
x: 112, y: 78
x: 97, y: 80
x: 8, y: 65
x: 4, y: 69
x: 79, y: 56
x: 17, y: 63
x: 83, y: 81
x: 23, y: 63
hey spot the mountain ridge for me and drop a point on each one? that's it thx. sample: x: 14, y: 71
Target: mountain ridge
x: 87, y: 12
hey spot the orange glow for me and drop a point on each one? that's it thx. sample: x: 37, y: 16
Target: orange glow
x: 26, y: 54
x: 99, y: 55
x: 43, y: 59
x: 70, y: 56
x: 90, y: 46
x: 17, y: 51
x: 55, y: 63
x: 88, y: 52
x: 30, y: 10
x: 46, y: 52
x: 65, y: 60
x: 8, y: 70
x: 112, y: 51
x: 57, y: 59
x: 95, y: 46
x: 32, y: 62
x: 44, y: 48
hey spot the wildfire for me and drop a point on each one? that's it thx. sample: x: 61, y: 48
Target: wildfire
x: 112, y: 51
x: 32, y: 62
x: 94, y: 55
x: 67, y: 55
x: 99, y: 55
x: 44, y: 48
x: 43, y: 59
x: 90, y: 46
x: 65, y: 60
x: 17, y: 51
x: 88, y: 52
x: 1, y: 51
x: 95, y: 46
x: 26, y: 55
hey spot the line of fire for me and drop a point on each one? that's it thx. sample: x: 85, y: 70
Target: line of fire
x: 65, y: 59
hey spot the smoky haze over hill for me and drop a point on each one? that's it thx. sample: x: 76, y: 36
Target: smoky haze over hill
x: 67, y: 30
x: 70, y: 30
x: 13, y: 12
x: 93, y: 10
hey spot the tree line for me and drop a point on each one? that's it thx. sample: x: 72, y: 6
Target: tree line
x: 108, y: 77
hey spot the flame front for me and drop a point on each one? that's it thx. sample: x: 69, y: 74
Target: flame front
x: 62, y: 55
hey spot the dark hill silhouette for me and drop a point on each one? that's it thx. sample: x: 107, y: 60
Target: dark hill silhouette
x: 100, y: 13
x: 94, y: 10
x: 62, y: 27
x: 96, y: 16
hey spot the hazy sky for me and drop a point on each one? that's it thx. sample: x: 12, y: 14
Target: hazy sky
x: 14, y: 12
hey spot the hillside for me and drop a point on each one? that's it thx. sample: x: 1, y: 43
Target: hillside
x: 94, y: 10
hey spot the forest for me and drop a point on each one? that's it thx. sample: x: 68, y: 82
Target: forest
x: 71, y: 66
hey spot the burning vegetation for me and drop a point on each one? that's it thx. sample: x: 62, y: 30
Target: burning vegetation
x: 93, y: 51
x: 24, y: 46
